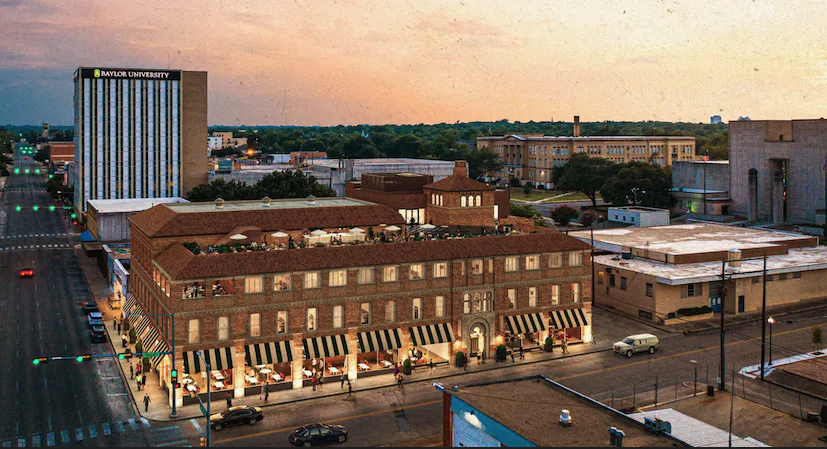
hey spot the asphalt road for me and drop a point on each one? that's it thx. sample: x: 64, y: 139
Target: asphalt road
x: 392, y: 416
x: 62, y: 402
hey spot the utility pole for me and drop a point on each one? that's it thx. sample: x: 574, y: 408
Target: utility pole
x: 592, y: 257
x: 764, y: 319
x: 704, y: 194
x: 174, y: 412
x: 722, y: 291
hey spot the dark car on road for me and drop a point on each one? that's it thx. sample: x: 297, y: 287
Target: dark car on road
x: 97, y: 334
x: 90, y: 306
x: 241, y: 414
x: 313, y: 434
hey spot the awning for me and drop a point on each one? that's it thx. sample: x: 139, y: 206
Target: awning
x: 383, y: 340
x: 431, y: 334
x: 218, y: 358
x: 564, y: 319
x: 268, y: 353
x: 153, y: 342
x: 141, y: 326
x: 330, y: 346
x: 128, y: 304
x: 523, y: 324
x: 86, y: 236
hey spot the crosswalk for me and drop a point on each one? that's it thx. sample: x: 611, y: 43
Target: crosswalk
x: 24, y: 236
x: 42, y: 246
x: 172, y: 435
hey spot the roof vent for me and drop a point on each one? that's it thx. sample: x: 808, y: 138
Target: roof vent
x: 219, y: 203
x: 311, y: 199
x: 565, y: 418
x: 266, y: 201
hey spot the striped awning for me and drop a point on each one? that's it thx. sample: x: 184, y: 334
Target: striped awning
x: 523, y: 324
x: 431, y: 334
x: 218, y: 358
x: 127, y: 306
x: 383, y: 340
x: 564, y: 319
x: 153, y: 342
x: 330, y: 346
x: 268, y: 353
x: 142, y: 323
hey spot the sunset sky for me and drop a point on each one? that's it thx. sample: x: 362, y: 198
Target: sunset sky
x: 283, y: 62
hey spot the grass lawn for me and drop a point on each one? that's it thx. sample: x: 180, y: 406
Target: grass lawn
x: 518, y: 194
x: 576, y: 196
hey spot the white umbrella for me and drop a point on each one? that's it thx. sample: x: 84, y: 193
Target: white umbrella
x: 393, y: 228
x: 279, y: 234
x: 357, y: 231
x: 318, y: 232
x: 238, y: 237
x: 428, y: 226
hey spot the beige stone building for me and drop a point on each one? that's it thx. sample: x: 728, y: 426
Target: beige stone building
x: 531, y: 157
x: 660, y: 273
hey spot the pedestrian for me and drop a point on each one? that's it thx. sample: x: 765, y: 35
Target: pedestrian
x: 143, y: 381
x: 146, y: 402
x: 399, y: 380
x: 313, y: 382
x: 114, y: 323
x: 594, y: 342
x: 123, y: 342
x: 565, y: 346
x: 343, y: 381
x: 138, y: 368
x: 430, y: 366
x: 266, y: 391
x: 479, y: 357
x: 321, y: 382
x: 131, y: 371
x: 119, y: 325
x: 261, y: 393
x: 349, y: 388
x: 229, y: 399
x: 465, y: 366
x: 522, y: 356
x: 483, y: 357
x: 138, y: 381
x: 512, y: 356
x: 395, y: 369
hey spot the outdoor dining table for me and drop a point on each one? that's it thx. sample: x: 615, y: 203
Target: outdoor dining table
x: 277, y: 377
x: 217, y: 375
x: 387, y: 363
x: 218, y: 385
x: 308, y: 373
x: 266, y: 371
x: 333, y: 370
x: 364, y: 366
x: 192, y: 388
x: 252, y: 380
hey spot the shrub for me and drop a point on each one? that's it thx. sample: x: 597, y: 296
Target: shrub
x: 514, y: 181
x: 563, y: 215
x: 501, y: 352
x: 527, y: 189
x: 588, y: 218
x: 691, y: 311
x: 406, y: 367
x: 193, y: 247
x: 139, y: 347
x: 548, y: 345
x: 460, y: 359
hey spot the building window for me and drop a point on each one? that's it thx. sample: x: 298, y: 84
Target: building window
x: 512, y: 298
x: 255, y: 325
x: 463, y: 202
x: 556, y: 261
x: 311, y: 280
x: 600, y: 277
x: 756, y: 280
x: 390, y: 274
x: 390, y: 311
x: 311, y: 320
x: 575, y: 292
x: 282, y: 282
x: 281, y: 322
x: 512, y: 264
x: 555, y: 294
x: 441, y: 270
x: 366, y: 276
x: 254, y: 285
x: 622, y: 282
x: 416, y: 272
x: 476, y: 267
x: 650, y: 289
x: 223, y: 328
x: 440, y: 306
x: 532, y: 262
x: 690, y: 290
x: 532, y: 297
x: 466, y: 303
x: 782, y: 277
x: 645, y: 314
x: 337, y: 278
x: 193, y: 331
x: 417, y: 308
x: 575, y: 259
x: 365, y: 314
x: 797, y: 275
x: 479, y: 200
x: 611, y: 280
x: 338, y: 317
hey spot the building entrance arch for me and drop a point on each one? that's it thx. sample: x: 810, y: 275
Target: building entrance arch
x: 478, y: 338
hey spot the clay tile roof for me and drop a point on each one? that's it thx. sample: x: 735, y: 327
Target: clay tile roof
x: 186, y: 267
x: 458, y: 184
x: 162, y: 221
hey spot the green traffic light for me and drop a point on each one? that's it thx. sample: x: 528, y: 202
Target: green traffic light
x: 16, y: 171
x: 27, y: 171
x: 37, y: 171
x: 73, y: 216
x: 18, y: 208
x: 121, y: 356
x: 36, y: 208
x: 36, y: 362
x: 52, y: 208
x: 51, y: 176
x: 79, y: 358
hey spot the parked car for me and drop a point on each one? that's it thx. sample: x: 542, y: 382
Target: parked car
x: 95, y: 319
x: 317, y: 434
x: 90, y: 306
x: 241, y: 414
x: 637, y: 343
x: 97, y: 334
x: 26, y: 273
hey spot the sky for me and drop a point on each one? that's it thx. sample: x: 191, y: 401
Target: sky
x: 321, y: 62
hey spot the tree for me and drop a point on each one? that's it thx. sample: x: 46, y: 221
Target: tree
x: 220, y: 188
x: 563, y: 215
x: 521, y: 210
x: 43, y: 154
x: 483, y: 164
x: 588, y: 218
x: 817, y: 338
x: 291, y: 184
x: 653, y: 182
x: 584, y: 174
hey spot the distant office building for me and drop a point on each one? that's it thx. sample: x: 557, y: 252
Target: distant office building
x: 531, y: 157
x: 61, y: 152
x: 139, y: 133
x: 225, y: 139
x: 715, y: 119
x: 702, y: 187
x: 215, y: 143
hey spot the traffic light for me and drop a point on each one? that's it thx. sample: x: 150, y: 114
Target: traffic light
x: 74, y: 222
x: 38, y: 360
x: 83, y: 357
x: 16, y: 171
x: 18, y: 208
x: 74, y: 216
x: 203, y: 442
x: 36, y: 208
x: 174, y: 375
x: 27, y: 171
x: 52, y: 208
x: 51, y: 176
x: 37, y: 171
x: 125, y: 355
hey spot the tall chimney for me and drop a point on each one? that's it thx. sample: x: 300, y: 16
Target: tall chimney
x: 576, y: 126
x: 461, y: 169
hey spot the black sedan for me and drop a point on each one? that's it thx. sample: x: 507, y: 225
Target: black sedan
x: 90, y: 306
x: 241, y: 414
x: 317, y: 434
x: 97, y: 334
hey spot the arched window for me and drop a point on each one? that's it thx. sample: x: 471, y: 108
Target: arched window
x: 462, y: 201
x: 433, y: 199
x: 479, y: 200
x: 440, y: 200
x: 477, y: 303
x: 466, y: 303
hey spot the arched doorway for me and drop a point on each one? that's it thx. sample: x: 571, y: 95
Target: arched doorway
x: 477, y: 339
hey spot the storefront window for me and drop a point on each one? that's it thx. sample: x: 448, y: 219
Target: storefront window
x: 324, y: 367
x: 417, y: 308
x: 377, y: 360
x: 390, y: 311
x: 255, y: 325
x: 338, y: 317
x: 223, y: 288
x: 282, y: 282
x: 338, y: 278
x: 223, y: 328
x: 416, y: 272
x: 365, y: 313
x: 193, y: 331
x: 274, y: 373
x: 195, y: 290
x: 281, y: 322
x: 366, y: 276
x: 311, y: 319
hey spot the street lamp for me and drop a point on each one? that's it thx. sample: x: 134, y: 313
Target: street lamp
x: 706, y: 160
x: 770, y: 320
x: 635, y: 191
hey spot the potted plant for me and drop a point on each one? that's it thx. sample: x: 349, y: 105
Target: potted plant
x: 132, y: 336
x: 548, y: 345
x: 460, y: 359
x: 501, y: 352
x: 139, y: 347
x: 406, y: 367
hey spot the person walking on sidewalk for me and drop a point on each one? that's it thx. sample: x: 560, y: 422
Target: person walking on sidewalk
x: 143, y: 381
x: 146, y: 402
x: 321, y: 382
x: 229, y: 399
x: 266, y: 391
x: 349, y: 388
x: 114, y: 323
x: 479, y: 357
x: 119, y: 325
x: 430, y: 366
x: 483, y: 357
x: 343, y: 381
x: 594, y: 342
x: 138, y: 381
x: 399, y: 380
x: 522, y: 356
x: 131, y: 371
x: 123, y: 342
x: 313, y: 382
x: 565, y: 346
x: 512, y: 356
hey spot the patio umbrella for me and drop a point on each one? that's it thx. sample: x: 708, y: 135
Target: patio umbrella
x: 279, y: 234
x: 357, y: 231
x: 318, y: 232
x: 238, y: 237
x: 427, y: 226
x: 393, y: 228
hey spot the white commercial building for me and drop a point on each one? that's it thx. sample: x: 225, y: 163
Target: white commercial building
x: 639, y: 216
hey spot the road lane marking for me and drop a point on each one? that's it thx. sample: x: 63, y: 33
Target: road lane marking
x: 79, y: 434
x: 106, y: 429
x: 50, y: 439
x: 331, y: 421
x: 93, y: 431
x: 197, y: 426
x: 146, y: 423
x: 64, y: 435
x: 36, y: 440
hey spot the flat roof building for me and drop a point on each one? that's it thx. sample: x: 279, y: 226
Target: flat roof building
x: 139, y: 133
x: 639, y: 216
x: 108, y: 220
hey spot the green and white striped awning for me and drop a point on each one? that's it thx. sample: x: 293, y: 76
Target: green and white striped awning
x: 564, y: 319
x: 431, y: 334
x: 218, y: 358
x: 383, y: 340
x: 153, y: 342
x: 322, y: 347
x: 128, y: 305
x: 523, y: 324
x: 268, y: 353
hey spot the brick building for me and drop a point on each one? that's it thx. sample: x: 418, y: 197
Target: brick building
x: 355, y: 307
